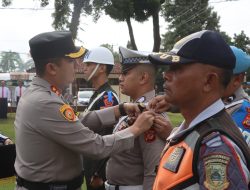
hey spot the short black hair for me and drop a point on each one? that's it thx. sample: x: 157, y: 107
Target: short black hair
x: 109, y: 69
x: 41, y: 64
x: 225, y: 76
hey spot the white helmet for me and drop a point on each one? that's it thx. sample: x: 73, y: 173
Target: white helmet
x: 100, y: 55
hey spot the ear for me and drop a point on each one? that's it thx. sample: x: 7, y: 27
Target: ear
x: 102, y: 68
x: 51, y: 68
x: 238, y: 79
x: 143, y: 78
x: 210, y: 81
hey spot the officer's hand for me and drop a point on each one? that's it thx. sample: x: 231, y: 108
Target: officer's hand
x: 159, y: 104
x: 143, y: 123
x: 132, y: 109
x: 96, y: 182
x: 8, y: 141
x: 162, y: 126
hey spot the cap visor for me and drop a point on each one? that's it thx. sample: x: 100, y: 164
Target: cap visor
x: 77, y: 54
x: 127, y: 67
x: 168, y: 59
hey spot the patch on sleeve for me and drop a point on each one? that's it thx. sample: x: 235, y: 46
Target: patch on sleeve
x: 68, y: 113
x: 216, y: 171
x: 174, y: 159
x: 246, y: 121
x: 150, y: 135
x: 108, y: 100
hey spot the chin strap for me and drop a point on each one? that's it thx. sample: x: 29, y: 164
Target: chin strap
x: 93, y: 72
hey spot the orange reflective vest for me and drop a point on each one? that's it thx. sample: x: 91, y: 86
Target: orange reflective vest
x: 178, y: 165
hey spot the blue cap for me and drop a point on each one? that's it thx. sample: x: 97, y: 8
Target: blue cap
x: 242, y: 60
x: 206, y: 47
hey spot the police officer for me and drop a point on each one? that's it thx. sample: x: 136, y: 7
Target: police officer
x: 207, y: 151
x: 236, y: 100
x: 134, y: 169
x: 98, y: 62
x: 4, y: 97
x: 49, y: 136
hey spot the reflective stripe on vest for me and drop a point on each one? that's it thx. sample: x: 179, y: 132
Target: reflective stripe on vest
x: 179, y: 159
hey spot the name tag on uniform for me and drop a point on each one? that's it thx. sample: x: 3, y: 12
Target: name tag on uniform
x: 174, y: 159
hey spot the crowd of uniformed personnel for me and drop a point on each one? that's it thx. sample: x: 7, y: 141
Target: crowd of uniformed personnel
x: 56, y: 147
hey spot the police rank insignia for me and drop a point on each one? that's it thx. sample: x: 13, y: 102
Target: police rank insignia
x: 68, y: 113
x: 174, y: 159
x: 55, y: 90
x: 216, y: 171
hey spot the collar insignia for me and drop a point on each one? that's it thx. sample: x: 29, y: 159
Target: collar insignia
x: 55, y: 90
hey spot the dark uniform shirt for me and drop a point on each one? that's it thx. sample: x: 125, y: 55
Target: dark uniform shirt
x: 103, y: 97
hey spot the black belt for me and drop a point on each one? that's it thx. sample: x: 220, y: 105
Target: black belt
x: 62, y: 185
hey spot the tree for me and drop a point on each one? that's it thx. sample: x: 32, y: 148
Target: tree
x: 6, y: 3
x: 242, y: 41
x: 111, y: 48
x: 10, y: 61
x: 140, y: 10
x: 122, y: 10
x: 186, y: 17
x: 226, y: 37
x: 146, y: 8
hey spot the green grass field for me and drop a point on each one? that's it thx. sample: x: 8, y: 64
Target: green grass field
x: 7, y: 129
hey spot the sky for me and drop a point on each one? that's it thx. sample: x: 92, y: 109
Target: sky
x: 18, y: 25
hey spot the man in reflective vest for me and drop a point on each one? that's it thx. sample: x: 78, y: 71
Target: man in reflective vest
x: 207, y: 151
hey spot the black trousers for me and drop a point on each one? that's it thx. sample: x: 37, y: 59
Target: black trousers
x: 17, y: 100
x: 3, y: 108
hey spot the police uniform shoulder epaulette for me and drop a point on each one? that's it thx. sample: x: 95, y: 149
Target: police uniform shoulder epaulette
x: 212, y: 140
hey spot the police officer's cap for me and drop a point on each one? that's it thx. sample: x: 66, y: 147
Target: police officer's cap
x: 54, y: 45
x: 130, y: 58
x: 242, y: 60
x: 206, y: 47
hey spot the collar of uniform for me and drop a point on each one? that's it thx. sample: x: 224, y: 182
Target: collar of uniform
x: 41, y: 82
x: 147, y: 96
x: 205, y: 114
x: 102, y: 88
